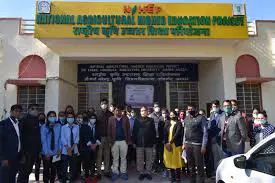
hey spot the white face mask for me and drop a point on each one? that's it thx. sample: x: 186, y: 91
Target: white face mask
x: 104, y: 106
x: 111, y: 109
x: 156, y: 109
x: 92, y: 121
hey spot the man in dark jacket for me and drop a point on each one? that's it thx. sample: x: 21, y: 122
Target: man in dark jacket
x: 144, y: 134
x: 31, y: 143
x: 88, y: 144
x: 195, y: 141
x: 104, y: 149
x: 159, y: 125
x: 10, y: 145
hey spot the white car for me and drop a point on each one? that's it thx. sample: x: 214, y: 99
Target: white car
x: 256, y: 166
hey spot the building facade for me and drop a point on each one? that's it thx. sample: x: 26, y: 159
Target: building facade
x: 56, y: 67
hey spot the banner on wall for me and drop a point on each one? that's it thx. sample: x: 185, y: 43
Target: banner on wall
x: 157, y: 72
x: 140, y: 20
x: 139, y: 95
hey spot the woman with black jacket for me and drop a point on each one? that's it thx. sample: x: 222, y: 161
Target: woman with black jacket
x: 173, y: 133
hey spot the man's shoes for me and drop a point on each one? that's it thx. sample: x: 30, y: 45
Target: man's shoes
x: 141, y: 177
x: 148, y: 176
x: 114, y: 177
x: 108, y: 175
x: 124, y: 176
x: 98, y: 176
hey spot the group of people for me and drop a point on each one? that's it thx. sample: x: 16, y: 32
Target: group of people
x: 161, y: 141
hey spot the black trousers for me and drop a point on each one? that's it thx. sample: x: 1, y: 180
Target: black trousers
x: 158, y: 161
x: 7, y: 174
x: 59, y: 169
x: 37, y: 167
x: 88, y: 162
x: 69, y: 161
x: 49, y: 170
x: 209, y: 161
x: 195, y: 159
x: 131, y: 154
x: 25, y: 168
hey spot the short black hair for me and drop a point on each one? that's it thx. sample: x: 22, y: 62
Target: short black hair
x: 263, y: 113
x: 119, y: 107
x: 190, y: 105
x: 61, y: 112
x: 41, y: 114
x: 145, y: 107
x: 104, y: 100
x: 16, y: 107
x: 50, y: 112
x: 33, y: 105
x: 216, y: 102
x: 156, y: 103
x: 255, y: 108
x: 227, y: 101
x: 79, y: 113
x: 70, y: 113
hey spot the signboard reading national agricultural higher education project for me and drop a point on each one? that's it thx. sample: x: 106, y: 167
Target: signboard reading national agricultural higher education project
x: 140, y: 20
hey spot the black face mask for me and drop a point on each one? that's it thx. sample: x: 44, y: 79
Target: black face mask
x: 174, y: 118
x: 192, y: 113
x: 42, y: 121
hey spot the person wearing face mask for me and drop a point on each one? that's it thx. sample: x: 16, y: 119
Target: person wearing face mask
x: 119, y: 137
x: 182, y: 117
x: 79, y: 122
x: 41, y: 118
x: 88, y: 144
x: 158, y: 165
x: 104, y: 149
x: 195, y: 141
x: 79, y: 118
x: 261, y: 129
x: 70, y: 153
x: 112, y: 107
x: 50, y: 138
x: 31, y: 143
x: 144, y: 135
x: 214, y: 153
x: 251, y: 120
x: 62, y: 118
x: 233, y: 131
x: 131, y: 156
x: 173, y: 134
x: 10, y: 145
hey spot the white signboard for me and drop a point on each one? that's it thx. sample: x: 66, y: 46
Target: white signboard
x: 139, y: 95
x: 238, y: 9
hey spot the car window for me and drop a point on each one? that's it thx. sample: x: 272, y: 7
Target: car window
x: 264, y: 159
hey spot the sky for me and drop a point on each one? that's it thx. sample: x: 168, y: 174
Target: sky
x: 256, y: 9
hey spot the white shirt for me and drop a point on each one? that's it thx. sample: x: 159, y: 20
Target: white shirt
x: 16, y: 127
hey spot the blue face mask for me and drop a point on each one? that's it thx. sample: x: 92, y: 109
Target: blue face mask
x: 70, y: 120
x: 227, y: 110
x: 62, y: 120
x: 52, y: 119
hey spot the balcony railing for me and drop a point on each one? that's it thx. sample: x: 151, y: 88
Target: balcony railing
x: 27, y: 27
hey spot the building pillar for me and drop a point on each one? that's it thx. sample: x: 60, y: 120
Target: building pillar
x: 52, y: 96
x: 229, y: 77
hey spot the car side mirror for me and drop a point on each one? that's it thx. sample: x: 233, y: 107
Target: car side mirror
x: 240, y: 162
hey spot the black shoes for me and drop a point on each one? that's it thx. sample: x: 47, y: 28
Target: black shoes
x: 141, y: 177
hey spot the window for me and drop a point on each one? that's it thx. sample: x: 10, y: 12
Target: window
x: 31, y: 95
x: 90, y: 94
x: 264, y: 159
x: 249, y: 96
x: 183, y: 93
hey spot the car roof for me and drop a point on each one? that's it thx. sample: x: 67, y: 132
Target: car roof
x: 261, y: 143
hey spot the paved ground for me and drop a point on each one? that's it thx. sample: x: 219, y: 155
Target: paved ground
x: 133, y: 178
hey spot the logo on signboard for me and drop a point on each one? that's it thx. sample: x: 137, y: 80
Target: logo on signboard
x: 145, y: 9
x: 44, y: 7
x: 238, y: 10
